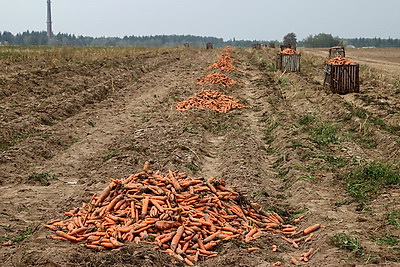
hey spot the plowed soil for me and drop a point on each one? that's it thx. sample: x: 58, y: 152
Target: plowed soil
x: 76, y: 118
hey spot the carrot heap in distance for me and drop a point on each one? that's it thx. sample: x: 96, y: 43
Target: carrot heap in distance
x: 210, y: 99
x: 219, y: 79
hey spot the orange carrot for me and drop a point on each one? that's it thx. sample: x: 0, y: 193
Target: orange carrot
x: 312, y: 228
x: 66, y: 236
x: 145, y: 206
x: 177, y: 237
x: 253, y: 249
x: 103, y: 195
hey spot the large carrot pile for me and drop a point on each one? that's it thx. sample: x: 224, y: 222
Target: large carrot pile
x: 288, y: 51
x: 219, y: 79
x: 183, y: 216
x: 210, y: 99
x: 340, y: 61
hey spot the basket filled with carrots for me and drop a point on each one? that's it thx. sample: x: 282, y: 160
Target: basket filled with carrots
x: 342, y: 75
x: 288, y: 60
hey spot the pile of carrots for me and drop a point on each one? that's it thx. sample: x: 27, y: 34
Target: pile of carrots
x: 288, y: 51
x: 219, y: 79
x: 340, y: 61
x: 185, y: 217
x: 224, y: 61
x: 210, y: 99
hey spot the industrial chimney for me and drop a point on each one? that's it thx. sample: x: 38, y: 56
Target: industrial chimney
x: 49, y: 28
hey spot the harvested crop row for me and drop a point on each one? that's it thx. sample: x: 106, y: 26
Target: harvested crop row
x: 184, y: 216
x: 210, y: 99
x: 219, y: 79
x: 340, y: 61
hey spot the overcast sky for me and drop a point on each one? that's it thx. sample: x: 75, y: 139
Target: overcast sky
x: 250, y: 20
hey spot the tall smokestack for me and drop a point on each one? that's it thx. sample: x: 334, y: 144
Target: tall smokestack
x: 49, y: 27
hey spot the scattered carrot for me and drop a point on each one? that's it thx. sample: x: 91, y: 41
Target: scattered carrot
x: 278, y: 263
x: 253, y: 249
x: 312, y: 228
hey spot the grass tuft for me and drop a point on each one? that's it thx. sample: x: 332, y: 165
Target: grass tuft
x: 43, y: 178
x: 366, y: 181
x: 346, y: 242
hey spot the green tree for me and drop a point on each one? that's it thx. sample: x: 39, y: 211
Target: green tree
x: 321, y: 40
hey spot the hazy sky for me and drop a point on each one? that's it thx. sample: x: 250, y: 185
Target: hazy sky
x: 250, y: 20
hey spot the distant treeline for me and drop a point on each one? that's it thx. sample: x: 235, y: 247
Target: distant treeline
x: 63, y: 39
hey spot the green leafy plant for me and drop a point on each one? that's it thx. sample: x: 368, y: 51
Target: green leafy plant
x: 306, y: 119
x: 324, y: 134
x: 366, y: 180
x: 346, y: 242
x: 43, y: 178
x: 393, y: 218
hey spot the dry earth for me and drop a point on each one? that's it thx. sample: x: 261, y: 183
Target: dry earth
x: 83, y: 119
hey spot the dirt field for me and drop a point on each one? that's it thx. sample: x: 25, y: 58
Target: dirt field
x: 75, y: 117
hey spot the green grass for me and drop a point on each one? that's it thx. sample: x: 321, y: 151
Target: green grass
x: 365, y: 181
x: 28, y: 232
x: 346, y: 242
x: 111, y: 152
x: 393, y: 218
x: 192, y: 167
x: 324, y: 134
x: 306, y: 119
x: 43, y: 178
x: 392, y: 241
x: 270, y: 127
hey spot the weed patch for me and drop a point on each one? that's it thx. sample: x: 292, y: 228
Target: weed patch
x: 324, y: 134
x: 366, y: 181
x: 43, y: 178
x: 346, y: 242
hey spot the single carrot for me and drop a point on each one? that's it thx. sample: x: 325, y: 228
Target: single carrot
x: 309, y: 238
x: 114, y: 202
x: 164, y: 225
x: 145, y: 206
x: 253, y: 249
x: 312, y: 228
x: 103, y: 195
x: 146, y: 166
x: 66, y: 236
x: 294, y: 261
x: 250, y: 234
x: 188, y: 262
x: 177, y: 237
